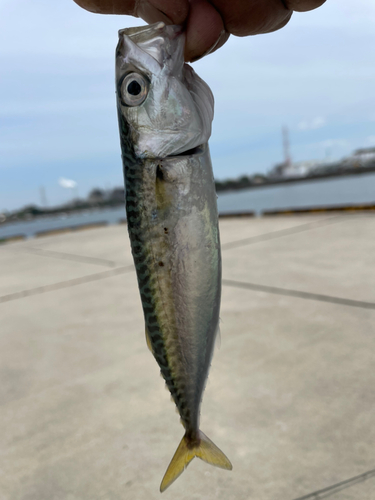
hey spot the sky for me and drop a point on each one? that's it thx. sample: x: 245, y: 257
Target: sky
x: 57, y: 99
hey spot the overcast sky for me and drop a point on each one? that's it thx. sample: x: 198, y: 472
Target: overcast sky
x: 57, y: 101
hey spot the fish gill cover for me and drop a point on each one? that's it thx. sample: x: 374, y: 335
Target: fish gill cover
x: 178, y: 111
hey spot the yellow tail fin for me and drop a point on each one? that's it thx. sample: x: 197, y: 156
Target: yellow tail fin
x: 205, y: 449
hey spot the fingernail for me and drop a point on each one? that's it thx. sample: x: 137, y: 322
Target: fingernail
x: 223, y: 37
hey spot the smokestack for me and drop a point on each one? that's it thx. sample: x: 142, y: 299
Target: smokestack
x: 286, y: 145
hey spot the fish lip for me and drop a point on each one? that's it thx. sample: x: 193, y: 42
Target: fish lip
x: 198, y: 150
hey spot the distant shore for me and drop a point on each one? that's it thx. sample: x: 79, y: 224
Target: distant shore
x: 290, y: 180
x: 77, y: 207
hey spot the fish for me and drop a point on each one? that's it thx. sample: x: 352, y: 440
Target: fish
x: 165, y: 113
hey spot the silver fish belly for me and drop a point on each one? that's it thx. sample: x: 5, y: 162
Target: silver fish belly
x: 172, y: 219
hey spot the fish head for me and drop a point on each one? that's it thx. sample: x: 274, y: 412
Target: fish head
x: 167, y: 107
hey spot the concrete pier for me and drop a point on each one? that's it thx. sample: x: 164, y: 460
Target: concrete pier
x: 84, y: 414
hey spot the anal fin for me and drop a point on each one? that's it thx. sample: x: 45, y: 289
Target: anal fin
x: 148, y: 340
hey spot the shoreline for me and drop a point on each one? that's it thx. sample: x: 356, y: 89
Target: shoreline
x: 293, y: 180
x: 58, y: 212
x: 226, y: 215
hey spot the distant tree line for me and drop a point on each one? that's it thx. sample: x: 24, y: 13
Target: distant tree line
x: 100, y: 198
x: 97, y: 198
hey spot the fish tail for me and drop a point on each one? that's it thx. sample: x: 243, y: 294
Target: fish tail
x: 202, y: 448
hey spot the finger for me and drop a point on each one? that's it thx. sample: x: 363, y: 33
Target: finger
x: 242, y: 18
x: 303, y: 5
x: 283, y: 23
x: 204, y: 30
x: 152, y: 11
x: 168, y: 11
x: 108, y: 6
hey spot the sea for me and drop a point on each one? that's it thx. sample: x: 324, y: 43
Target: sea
x: 348, y: 190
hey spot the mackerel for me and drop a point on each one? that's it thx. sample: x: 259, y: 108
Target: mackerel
x: 165, y: 113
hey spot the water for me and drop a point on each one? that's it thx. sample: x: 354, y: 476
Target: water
x: 324, y: 192
x: 29, y: 228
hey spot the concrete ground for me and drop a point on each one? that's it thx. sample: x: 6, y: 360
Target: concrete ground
x: 290, y: 399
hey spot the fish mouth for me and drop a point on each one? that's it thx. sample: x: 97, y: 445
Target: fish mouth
x: 198, y: 150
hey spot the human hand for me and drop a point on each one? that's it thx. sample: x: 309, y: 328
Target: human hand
x: 208, y: 22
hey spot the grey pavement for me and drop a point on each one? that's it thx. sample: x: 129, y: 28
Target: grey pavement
x: 84, y: 414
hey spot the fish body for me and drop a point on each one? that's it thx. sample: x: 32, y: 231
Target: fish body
x: 165, y: 112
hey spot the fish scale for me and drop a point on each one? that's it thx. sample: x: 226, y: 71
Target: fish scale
x: 146, y: 282
x: 133, y: 179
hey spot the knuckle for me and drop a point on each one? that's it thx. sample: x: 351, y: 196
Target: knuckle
x: 249, y: 18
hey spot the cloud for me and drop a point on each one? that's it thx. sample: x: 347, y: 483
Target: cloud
x: 58, y: 113
x: 317, y: 122
x: 330, y: 143
x: 67, y: 183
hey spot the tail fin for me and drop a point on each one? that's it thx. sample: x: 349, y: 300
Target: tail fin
x: 205, y: 449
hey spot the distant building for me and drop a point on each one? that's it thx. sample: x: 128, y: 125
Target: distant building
x: 96, y: 196
x: 298, y: 169
x: 360, y: 158
x: 365, y: 152
x: 258, y: 179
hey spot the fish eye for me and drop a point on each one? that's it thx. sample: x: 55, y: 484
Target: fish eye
x: 134, y: 89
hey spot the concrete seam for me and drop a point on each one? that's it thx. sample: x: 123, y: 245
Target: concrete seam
x: 68, y: 256
x: 282, y: 232
x: 65, y: 284
x: 335, y: 488
x: 299, y: 294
